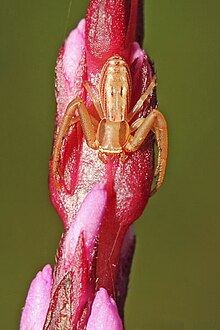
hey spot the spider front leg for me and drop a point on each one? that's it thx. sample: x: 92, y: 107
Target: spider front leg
x: 156, y: 122
x: 87, y: 122
x: 137, y: 107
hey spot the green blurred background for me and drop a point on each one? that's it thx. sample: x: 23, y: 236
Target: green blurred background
x: 175, y: 280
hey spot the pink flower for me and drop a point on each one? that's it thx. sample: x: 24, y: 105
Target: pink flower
x: 97, y: 201
x: 110, y: 28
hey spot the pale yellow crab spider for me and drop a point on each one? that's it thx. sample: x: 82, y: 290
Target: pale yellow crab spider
x: 113, y: 134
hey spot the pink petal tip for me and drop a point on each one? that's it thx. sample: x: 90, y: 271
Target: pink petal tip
x: 37, y: 302
x: 87, y: 221
x: 104, y: 313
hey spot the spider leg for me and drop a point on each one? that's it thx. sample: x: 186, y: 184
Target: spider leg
x: 137, y: 107
x: 102, y: 157
x: 136, y: 124
x: 94, y: 99
x: 87, y: 123
x: 156, y: 122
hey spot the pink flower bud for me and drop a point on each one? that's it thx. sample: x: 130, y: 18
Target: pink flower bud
x: 97, y: 201
x: 128, y: 184
x: 104, y: 314
x: 37, y: 302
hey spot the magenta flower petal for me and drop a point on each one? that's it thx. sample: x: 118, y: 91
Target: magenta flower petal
x: 74, y: 281
x: 37, y: 302
x: 124, y: 268
x: 88, y: 222
x: 104, y: 314
x: 76, y: 41
x: 111, y: 28
x: 70, y: 76
x: 69, y: 82
x: 106, y: 26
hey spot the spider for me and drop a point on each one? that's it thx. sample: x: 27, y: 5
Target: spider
x: 114, y: 134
